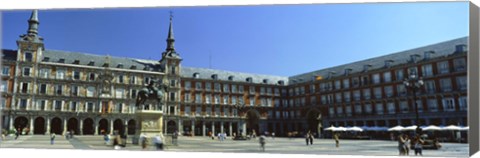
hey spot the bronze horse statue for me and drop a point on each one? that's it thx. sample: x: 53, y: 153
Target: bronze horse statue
x: 154, y: 90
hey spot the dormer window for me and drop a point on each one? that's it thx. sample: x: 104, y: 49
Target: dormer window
x: 46, y: 59
x: 120, y: 66
x: 427, y: 55
x: 61, y: 60
x: 91, y: 63
x: 265, y: 81
x: 414, y: 57
x: 230, y: 78
x: 249, y: 80
x: 347, y: 71
x: 281, y: 82
x: 366, y: 67
x: 215, y: 77
x: 146, y: 68
x: 76, y: 62
x: 331, y: 73
x: 388, y: 63
x: 105, y: 64
x: 133, y: 67
x: 460, y: 48
x: 196, y: 75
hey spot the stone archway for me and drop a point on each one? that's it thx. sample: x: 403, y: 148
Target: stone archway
x: 103, y: 126
x: 118, y: 126
x: 131, y: 127
x: 72, y: 125
x: 314, y: 122
x: 56, y: 126
x: 20, y: 123
x: 39, y: 126
x: 171, y: 126
x: 88, y: 128
x: 253, y: 118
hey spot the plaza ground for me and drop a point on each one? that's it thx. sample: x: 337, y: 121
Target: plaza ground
x: 276, y: 146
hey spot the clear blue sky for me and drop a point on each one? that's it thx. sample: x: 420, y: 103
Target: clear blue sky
x: 283, y: 40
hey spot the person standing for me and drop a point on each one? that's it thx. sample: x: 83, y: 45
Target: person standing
x: 307, y: 138
x: 17, y: 133
x: 401, y: 146
x: 144, y: 141
x: 262, y: 141
x: 407, y: 145
x: 310, y: 137
x: 337, y: 140
x: 52, y: 138
x: 175, y: 138
x: 273, y: 135
x: 418, y: 146
x: 158, y: 142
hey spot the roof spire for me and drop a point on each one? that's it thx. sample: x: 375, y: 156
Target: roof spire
x: 170, y: 39
x: 33, y: 23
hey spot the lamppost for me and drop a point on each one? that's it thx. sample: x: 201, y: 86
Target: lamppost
x: 414, y: 83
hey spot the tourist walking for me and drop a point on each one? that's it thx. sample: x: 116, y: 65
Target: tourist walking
x: 158, y: 142
x: 52, y: 138
x: 143, y: 141
x: 401, y: 146
x: 337, y: 141
x: 307, y: 138
x: 418, y: 146
x: 262, y: 141
x: 407, y: 145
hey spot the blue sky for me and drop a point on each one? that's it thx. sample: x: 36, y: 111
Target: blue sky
x: 282, y: 40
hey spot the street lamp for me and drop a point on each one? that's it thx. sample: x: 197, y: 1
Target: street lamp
x: 414, y: 83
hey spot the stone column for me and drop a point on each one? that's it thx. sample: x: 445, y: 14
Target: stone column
x: 48, y: 125
x: 10, y: 126
x: 244, y: 128
x: 203, y: 128
x: 81, y: 127
x: 64, y: 125
x: 96, y: 127
x: 126, y: 127
x: 221, y: 127
x: 180, y: 126
x: 213, y: 128
x: 230, y: 129
x: 31, y: 125
x: 111, y: 126
x: 193, y: 128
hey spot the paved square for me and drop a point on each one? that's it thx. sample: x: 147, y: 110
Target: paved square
x: 277, y: 146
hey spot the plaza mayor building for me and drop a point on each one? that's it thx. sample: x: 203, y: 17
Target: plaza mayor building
x: 56, y: 91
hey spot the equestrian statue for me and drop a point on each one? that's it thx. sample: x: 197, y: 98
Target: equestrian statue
x: 154, y: 90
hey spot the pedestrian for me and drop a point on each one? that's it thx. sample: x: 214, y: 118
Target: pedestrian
x: 17, y: 133
x: 407, y: 145
x: 106, y: 138
x: 175, y: 137
x: 306, y: 138
x: 116, y: 142
x: 158, y: 142
x: 144, y: 141
x: 310, y: 137
x: 262, y: 141
x: 273, y: 135
x: 52, y: 139
x: 337, y: 141
x: 418, y: 146
x: 401, y: 146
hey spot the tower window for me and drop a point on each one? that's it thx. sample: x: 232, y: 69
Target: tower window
x: 28, y: 56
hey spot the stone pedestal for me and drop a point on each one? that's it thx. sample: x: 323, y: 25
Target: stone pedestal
x: 150, y: 123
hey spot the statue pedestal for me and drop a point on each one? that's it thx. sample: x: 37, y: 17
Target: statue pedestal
x: 150, y: 123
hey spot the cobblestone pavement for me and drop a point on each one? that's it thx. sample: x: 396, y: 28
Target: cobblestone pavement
x: 205, y: 144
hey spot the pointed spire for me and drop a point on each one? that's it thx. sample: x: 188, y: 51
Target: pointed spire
x: 33, y: 23
x: 170, y: 39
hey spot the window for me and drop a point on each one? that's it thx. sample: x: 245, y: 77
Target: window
x: 404, y: 107
x: 355, y: 82
x: 188, y: 85
x: 399, y: 74
x: 4, y: 87
x: 419, y: 105
x: 262, y: 90
x: 198, y: 86
x: 346, y: 83
x: 388, y: 91
x: 146, y: 80
x: 186, y: 98
x: 76, y: 75
x: 73, y: 106
x: 241, y: 101
x: 348, y: 110
x: 312, y: 88
x: 23, y: 104
x: 430, y: 86
x: 226, y: 88
x: 339, y: 111
x: 119, y: 108
x: 208, y: 86
x: 234, y: 88
x: 462, y: 83
x: 401, y: 91
x: 172, y: 96
x: 60, y: 74
x: 172, y: 69
x: 379, y: 108
x: 252, y: 101
x: 198, y: 110
x: 446, y: 84
x: 338, y: 84
x: 391, y: 107
x: 378, y: 92
x: 366, y: 93
x: 331, y: 111
x: 364, y: 80
x: 217, y: 87
x: 263, y: 102
x: 240, y: 88
x: 368, y: 108
x: 358, y: 109
x: 5, y: 70
x: 413, y: 71
x: 187, y: 110
x: 432, y: 105
x: 92, y: 77
x: 427, y: 70
x: 44, y: 73
x: 208, y: 98
x: 90, y: 91
x: 133, y: 94
x: 24, y: 87
x: 74, y: 90
x: 225, y: 99
x: 58, y: 89
x: 459, y: 64
x: 217, y: 111
x: 89, y: 107
x: 234, y: 100
x: 26, y: 71
x: 217, y: 99
x: 462, y: 103
x: 120, y: 78
x: 443, y: 67
x: 58, y: 105
x: 356, y: 95
x: 133, y: 79
x: 376, y: 78
x: 28, y: 56
x: 119, y: 93
x: 338, y: 97
x: 41, y: 105
x: 448, y: 104
x: 252, y: 89
x: 387, y: 77
x: 346, y: 95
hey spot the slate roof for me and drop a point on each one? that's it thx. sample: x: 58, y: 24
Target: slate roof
x: 56, y: 56
x: 204, y: 73
x: 440, y: 49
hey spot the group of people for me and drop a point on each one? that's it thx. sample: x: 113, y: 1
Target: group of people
x: 222, y: 136
x: 404, y: 144
x: 157, y: 141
